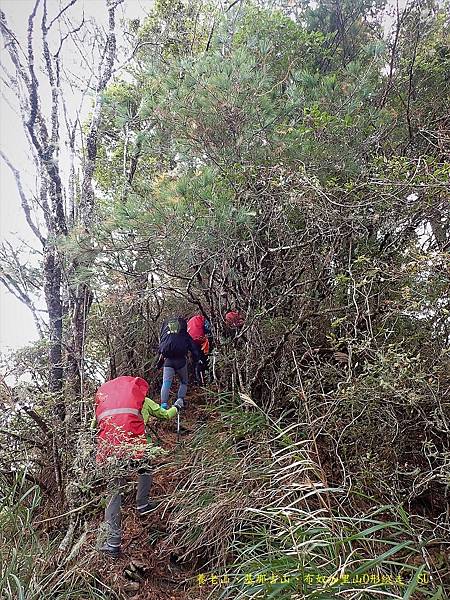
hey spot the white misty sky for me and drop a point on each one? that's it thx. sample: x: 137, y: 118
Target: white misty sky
x: 16, y: 323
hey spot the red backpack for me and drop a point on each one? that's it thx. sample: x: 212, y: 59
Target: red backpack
x: 196, y: 328
x: 234, y: 319
x: 118, y: 405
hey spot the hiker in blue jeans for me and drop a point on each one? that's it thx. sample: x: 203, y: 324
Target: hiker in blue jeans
x: 174, y: 345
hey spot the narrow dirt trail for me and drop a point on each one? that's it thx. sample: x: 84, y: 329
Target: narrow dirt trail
x: 146, y: 569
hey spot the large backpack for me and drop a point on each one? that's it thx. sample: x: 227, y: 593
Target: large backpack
x: 173, y: 338
x: 118, y: 405
x: 196, y: 328
x: 234, y: 319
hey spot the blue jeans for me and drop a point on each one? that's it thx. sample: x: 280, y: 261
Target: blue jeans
x: 168, y: 375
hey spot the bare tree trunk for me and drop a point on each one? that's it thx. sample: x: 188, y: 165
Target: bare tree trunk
x: 82, y: 296
x: 52, y: 290
x: 34, y: 125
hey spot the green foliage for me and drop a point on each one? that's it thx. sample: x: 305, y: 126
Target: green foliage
x: 350, y: 26
x: 30, y: 569
x: 264, y: 514
x: 290, y: 163
x: 279, y: 45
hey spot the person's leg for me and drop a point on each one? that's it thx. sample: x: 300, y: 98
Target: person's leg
x: 183, y: 375
x: 204, y: 367
x: 143, y: 487
x: 168, y: 375
x: 197, y: 374
x: 198, y: 368
x: 113, y: 516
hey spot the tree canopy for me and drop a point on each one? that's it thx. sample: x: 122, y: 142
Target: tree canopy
x: 288, y: 160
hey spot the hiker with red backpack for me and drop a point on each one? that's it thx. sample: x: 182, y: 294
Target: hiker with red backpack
x: 122, y: 410
x: 234, y: 320
x: 199, y: 328
x: 174, y: 345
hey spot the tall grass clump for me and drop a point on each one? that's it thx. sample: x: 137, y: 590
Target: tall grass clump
x: 255, y: 508
x: 30, y: 566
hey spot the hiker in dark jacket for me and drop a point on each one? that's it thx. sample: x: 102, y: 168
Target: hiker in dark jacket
x: 174, y: 345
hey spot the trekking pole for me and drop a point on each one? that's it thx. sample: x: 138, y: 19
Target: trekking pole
x: 178, y: 426
x: 214, y: 364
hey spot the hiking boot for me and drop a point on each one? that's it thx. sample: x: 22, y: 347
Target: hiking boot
x: 111, y: 551
x: 147, y: 508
